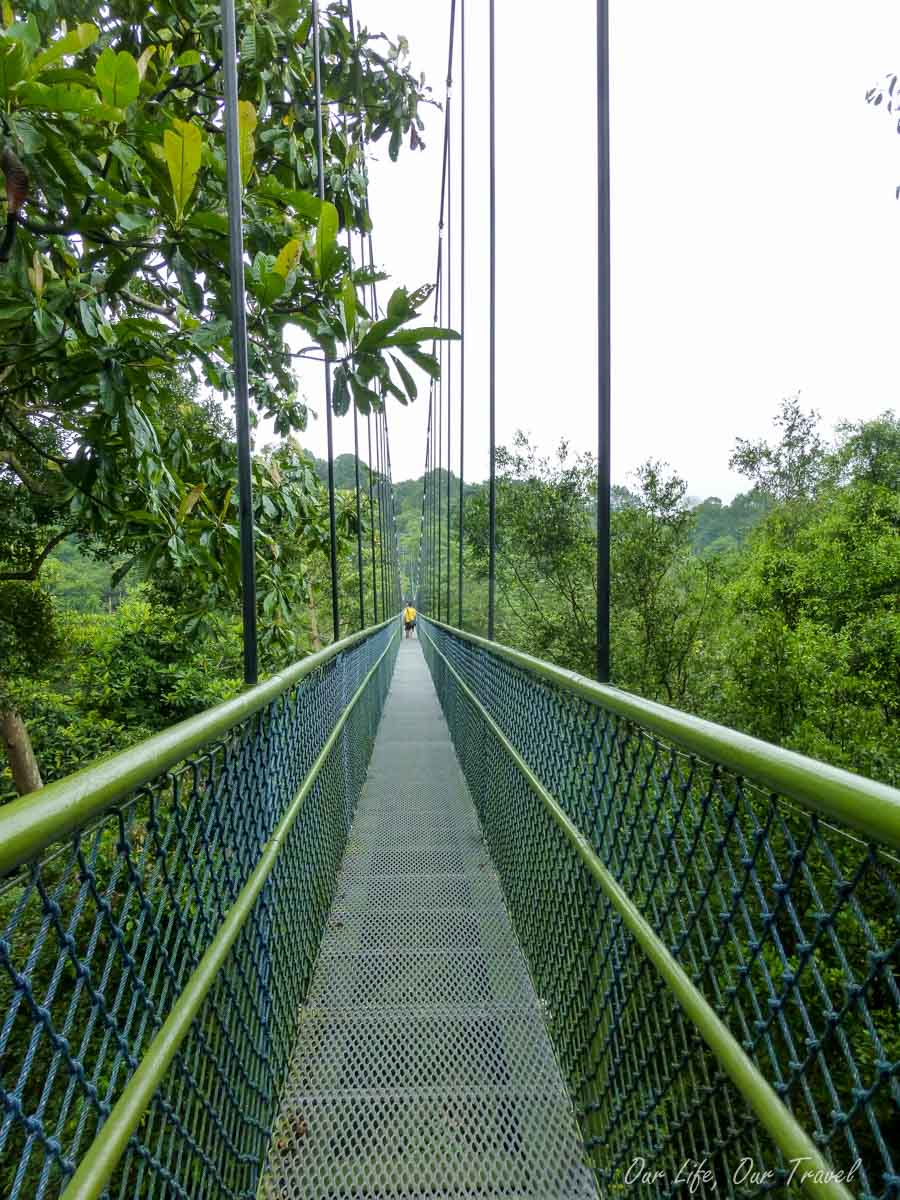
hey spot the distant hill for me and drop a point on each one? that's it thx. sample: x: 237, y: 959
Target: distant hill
x: 726, y: 526
x: 344, y: 471
x: 719, y: 527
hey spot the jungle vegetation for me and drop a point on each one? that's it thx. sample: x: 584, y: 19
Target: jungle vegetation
x: 117, y: 460
x: 777, y: 613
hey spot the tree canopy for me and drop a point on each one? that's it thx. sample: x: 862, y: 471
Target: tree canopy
x: 115, y: 300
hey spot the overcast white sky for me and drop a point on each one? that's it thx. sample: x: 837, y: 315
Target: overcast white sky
x: 755, y: 233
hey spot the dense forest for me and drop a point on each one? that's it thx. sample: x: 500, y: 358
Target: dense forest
x: 119, y: 545
x: 120, y: 569
x: 776, y: 613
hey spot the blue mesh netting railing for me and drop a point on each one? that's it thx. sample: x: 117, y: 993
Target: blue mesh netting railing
x: 187, y: 880
x: 697, y: 908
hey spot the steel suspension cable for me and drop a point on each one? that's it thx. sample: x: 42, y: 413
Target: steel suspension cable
x: 446, y: 184
x: 372, y: 520
x: 239, y: 343
x: 449, y: 317
x: 379, y: 488
x: 423, y: 523
x: 433, y: 508
x: 359, y: 550
x: 429, y: 569
x: 431, y: 438
x: 492, y: 313
x: 395, y: 544
x: 359, y: 553
x: 362, y: 258
x: 462, y: 296
x: 329, y: 420
x: 440, y: 454
x: 385, y: 521
x: 604, y: 380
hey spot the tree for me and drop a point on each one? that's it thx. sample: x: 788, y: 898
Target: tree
x: 115, y: 299
x: 546, y: 586
x: 664, y: 597
x: 794, y: 466
x: 118, y: 280
x: 815, y: 654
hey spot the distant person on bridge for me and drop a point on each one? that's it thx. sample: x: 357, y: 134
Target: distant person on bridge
x: 409, y: 620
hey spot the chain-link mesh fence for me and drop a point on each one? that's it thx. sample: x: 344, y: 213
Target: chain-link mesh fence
x: 101, y: 932
x: 785, y: 923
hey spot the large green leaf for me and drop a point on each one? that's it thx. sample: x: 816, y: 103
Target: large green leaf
x: 268, y: 287
x: 213, y: 221
x: 326, y: 237
x: 183, y: 147
x: 399, y: 305
x: 247, y: 121
x: 190, y: 288
x: 59, y: 98
x: 365, y: 398
x: 117, y: 77
x: 123, y: 272
x: 285, y: 12
x: 306, y: 204
x: 340, y: 397
x: 73, y: 42
x: 12, y: 65
x: 27, y: 34
x: 378, y: 332
x: 413, y: 337
x: 408, y: 382
x: 348, y: 303
x: 10, y: 311
x: 287, y: 258
x: 427, y: 362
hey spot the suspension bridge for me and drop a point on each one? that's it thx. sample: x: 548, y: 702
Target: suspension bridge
x: 433, y: 918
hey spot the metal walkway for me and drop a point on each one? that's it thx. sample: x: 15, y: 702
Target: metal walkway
x: 422, y: 1066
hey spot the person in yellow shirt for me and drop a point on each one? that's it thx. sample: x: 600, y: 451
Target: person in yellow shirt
x: 409, y: 620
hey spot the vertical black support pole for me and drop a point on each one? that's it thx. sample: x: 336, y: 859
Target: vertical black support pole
x: 379, y: 454
x: 440, y: 462
x: 378, y: 502
x: 449, y: 344
x: 388, y: 533
x: 423, y: 524
x: 435, y: 486
x: 431, y: 500
x: 329, y: 421
x: 372, y: 522
x: 604, y: 451
x: 462, y: 298
x: 359, y: 553
x: 492, y: 317
x: 386, y: 526
x: 239, y: 342
x: 395, y: 544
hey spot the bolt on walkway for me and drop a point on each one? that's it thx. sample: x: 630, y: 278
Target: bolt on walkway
x: 422, y: 1065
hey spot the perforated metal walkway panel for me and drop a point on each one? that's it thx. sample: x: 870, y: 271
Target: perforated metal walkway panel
x: 422, y: 1066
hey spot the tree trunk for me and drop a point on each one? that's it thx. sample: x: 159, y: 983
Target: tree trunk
x: 314, y: 622
x: 25, y: 771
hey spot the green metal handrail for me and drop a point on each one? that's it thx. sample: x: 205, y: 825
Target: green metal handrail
x: 624, y: 781
x: 101, y: 1160
x: 159, y: 920
x: 865, y: 805
x: 31, y: 823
